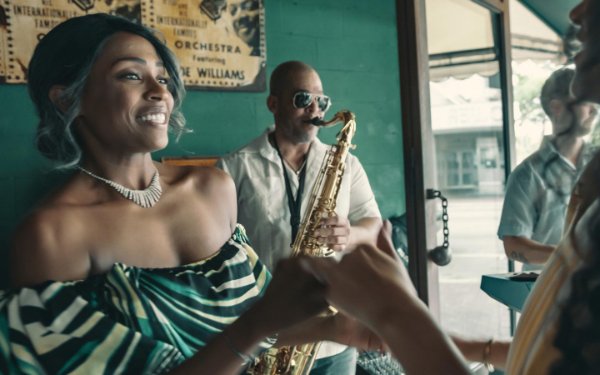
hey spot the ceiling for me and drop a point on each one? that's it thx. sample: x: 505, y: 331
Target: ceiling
x: 469, y: 47
x: 554, y: 13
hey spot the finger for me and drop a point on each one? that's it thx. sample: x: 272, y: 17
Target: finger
x: 335, y: 220
x: 339, y: 231
x: 326, y: 215
x: 337, y: 247
x: 335, y: 242
x: 329, y: 221
x: 334, y: 236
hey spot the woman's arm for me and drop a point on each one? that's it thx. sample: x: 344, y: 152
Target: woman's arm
x: 417, y: 341
x: 293, y: 296
x: 338, y: 327
x: 229, y: 351
x: 494, y: 352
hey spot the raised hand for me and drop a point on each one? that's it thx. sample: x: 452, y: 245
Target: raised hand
x: 293, y: 296
x: 362, y: 282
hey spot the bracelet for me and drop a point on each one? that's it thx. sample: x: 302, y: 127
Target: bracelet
x: 245, y: 357
x: 487, y: 353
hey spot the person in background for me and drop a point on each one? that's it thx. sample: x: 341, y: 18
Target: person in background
x: 133, y: 266
x: 274, y: 175
x: 538, y: 189
x: 559, y: 330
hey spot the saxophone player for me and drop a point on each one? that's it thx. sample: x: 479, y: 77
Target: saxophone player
x: 274, y: 175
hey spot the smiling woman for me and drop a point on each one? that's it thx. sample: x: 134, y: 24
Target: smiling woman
x: 126, y: 94
x: 133, y: 266
x: 57, y: 82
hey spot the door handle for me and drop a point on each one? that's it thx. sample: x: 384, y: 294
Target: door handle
x: 441, y: 255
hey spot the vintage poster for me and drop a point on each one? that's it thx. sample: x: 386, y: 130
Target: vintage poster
x: 3, y: 30
x: 29, y: 20
x: 220, y: 43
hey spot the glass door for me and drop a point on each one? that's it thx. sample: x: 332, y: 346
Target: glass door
x: 457, y: 115
x: 469, y: 151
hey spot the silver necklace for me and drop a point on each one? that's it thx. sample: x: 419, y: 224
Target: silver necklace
x: 145, y: 198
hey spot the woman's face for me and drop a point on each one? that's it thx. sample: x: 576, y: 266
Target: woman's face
x: 126, y: 103
x: 586, y: 84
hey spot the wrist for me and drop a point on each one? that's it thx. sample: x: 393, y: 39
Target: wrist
x: 404, y: 305
x: 251, y: 326
x: 486, y: 355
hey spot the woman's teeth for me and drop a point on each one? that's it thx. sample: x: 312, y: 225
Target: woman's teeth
x: 157, y: 118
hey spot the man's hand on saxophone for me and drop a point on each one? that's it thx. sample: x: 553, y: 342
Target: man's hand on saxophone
x: 337, y: 233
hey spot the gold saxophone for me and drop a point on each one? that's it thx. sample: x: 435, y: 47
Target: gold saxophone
x: 298, y: 360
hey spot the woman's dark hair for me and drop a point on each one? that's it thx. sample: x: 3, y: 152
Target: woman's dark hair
x: 578, y: 333
x: 578, y: 336
x: 65, y: 57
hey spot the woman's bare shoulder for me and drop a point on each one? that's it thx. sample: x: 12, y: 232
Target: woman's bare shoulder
x: 42, y: 245
x: 205, y: 179
x: 211, y: 185
x: 219, y: 180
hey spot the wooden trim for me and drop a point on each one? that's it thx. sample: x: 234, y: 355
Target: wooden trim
x: 197, y: 161
x: 420, y: 170
x: 507, y: 92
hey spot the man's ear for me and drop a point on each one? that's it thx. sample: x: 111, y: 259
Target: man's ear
x: 272, y: 103
x: 556, y: 107
x: 56, y: 97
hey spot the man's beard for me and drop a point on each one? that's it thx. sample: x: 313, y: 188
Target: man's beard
x: 296, y: 136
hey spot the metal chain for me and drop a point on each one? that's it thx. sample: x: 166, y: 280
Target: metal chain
x: 431, y: 194
x: 445, y: 229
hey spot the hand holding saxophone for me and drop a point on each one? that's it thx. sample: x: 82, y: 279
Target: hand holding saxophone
x: 334, y: 232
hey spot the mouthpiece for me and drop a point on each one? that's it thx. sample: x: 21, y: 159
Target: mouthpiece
x: 344, y: 116
x: 317, y: 121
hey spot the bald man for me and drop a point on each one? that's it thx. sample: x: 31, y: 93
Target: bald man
x: 274, y: 175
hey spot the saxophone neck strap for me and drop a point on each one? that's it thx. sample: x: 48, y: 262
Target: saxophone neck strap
x: 294, y: 204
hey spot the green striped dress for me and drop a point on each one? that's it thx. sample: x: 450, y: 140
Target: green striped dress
x: 129, y: 320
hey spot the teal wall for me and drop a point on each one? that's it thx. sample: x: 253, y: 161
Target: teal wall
x: 352, y: 43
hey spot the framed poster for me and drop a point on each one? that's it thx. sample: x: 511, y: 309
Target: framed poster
x: 3, y: 35
x: 27, y: 21
x: 220, y: 44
